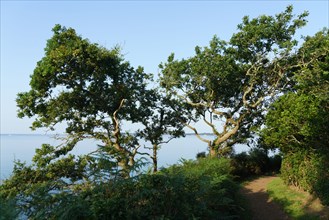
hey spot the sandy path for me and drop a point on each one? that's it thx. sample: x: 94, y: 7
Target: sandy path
x: 261, y: 206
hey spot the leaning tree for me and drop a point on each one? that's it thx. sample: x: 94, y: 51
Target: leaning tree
x: 228, y: 85
x: 91, y: 90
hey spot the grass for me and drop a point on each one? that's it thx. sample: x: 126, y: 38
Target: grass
x: 297, y: 204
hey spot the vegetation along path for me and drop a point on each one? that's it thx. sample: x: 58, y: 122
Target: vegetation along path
x: 259, y: 202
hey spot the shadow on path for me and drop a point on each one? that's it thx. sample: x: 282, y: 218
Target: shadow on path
x: 259, y: 203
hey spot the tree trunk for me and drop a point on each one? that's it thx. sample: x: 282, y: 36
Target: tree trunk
x: 125, y: 161
x: 212, y: 152
x: 124, y: 165
x: 155, y: 158
x: 212, y: 149
x: 222, y: 149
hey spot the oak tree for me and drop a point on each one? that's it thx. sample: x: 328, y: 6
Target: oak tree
x: 90, y: 89
x: 298, y: 122
x: 299, y: 119
x: 229, y: 84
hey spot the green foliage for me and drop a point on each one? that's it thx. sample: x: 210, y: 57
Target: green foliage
x: 298, y: 122
x: 7, y: 208
x: 77, y: 80
x: 200, y: 189
x: 193, y: 190
x: 313, y: 75
x: 309, y: 171
x: 90, y: 89
x: 196, y: 189
x: 234, y: 81
x: 164, y: 119
x: 51, y: 187
x: 202, y: 167
x: 300, y: 119
x: 93, y: 90
x: 255, y: 162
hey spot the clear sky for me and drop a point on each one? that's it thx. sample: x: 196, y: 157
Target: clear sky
x: 148, y: 32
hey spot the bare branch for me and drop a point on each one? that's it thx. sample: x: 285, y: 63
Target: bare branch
x: 116, y: 122
x: 167, y: 141
x: 197, y: 104
x: 197, y: 134
x: 116, y: 132
x: 135, y: 151
x: 217, y: 112
x: 295, y: 139
x: 228, y: 134
x: 211, y: 125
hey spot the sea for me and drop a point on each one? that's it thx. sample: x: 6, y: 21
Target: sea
x: 22, y: 147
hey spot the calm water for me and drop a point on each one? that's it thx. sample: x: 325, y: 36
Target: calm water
x: 22, y: 147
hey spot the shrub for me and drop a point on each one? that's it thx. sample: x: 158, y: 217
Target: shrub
x: 255, y: 162
x: 194, y: 189
x: 201, y: 189
x: 275, y: 163
x: 308, y: 170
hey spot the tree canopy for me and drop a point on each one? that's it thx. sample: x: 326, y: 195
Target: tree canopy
x: 91, y: 89
x: 163, y: 120
x: 228, y: 85
x: 298, y: 122
x: 299, y: 119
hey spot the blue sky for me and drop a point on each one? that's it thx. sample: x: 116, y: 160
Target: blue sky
x: 148, y: 32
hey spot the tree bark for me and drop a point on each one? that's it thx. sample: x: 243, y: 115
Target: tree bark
x: 155, y: 158
x: 212, y: 151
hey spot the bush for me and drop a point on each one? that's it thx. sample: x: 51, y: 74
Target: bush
x: 275, y: 163
x: 195, y: 189
x: 308, y: 170
x: 256, y: 162
x: 201, y: 189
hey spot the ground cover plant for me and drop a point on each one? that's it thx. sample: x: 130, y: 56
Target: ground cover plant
x: 298, y: 204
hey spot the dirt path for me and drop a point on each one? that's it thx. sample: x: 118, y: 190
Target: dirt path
x: 260, y: 204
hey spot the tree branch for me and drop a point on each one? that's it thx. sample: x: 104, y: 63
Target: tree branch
x: 116, y: 132
x: 196, y: 133
x: 228, y: 134
x: 211, y: 125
